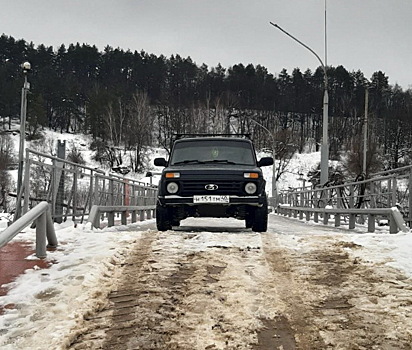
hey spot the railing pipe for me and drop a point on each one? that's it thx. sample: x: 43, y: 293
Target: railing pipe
x: 44, y: 228
x: 64, y: 161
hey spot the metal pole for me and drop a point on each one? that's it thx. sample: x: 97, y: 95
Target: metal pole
x: 365, y: 131
x: 324, y: 150
x: 22, y: 133
x: 326, y: 40
x: 324, y: 158
x: 26, y: 183
x: 23, y: 111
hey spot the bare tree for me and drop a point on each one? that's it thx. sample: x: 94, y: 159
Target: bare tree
x: 354, y: 158
x: 286, y: 146
x: 139, y: 128
x: 6, y: 151
x: 115, y: 119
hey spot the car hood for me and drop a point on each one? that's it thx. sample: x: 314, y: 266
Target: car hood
x: 213, y: 168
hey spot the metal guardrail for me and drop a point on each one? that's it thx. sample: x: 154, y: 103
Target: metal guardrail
x: 396, y: 222
x: 40, y: 214
x: 144, y: 212
x: 72, y: 189
x: 356, y: 199
x: 55, y: 189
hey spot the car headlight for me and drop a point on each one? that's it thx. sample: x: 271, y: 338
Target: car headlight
x: 172, y: 175
x: 251, y: 175
x: 172, y: 187
x: 250, y: 188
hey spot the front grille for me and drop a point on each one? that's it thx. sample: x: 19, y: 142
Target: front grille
x: 196, y: 187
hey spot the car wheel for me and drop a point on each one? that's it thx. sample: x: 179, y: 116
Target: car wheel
x: 163, y: 220
x: 249, y: 220
x: 260, y: 220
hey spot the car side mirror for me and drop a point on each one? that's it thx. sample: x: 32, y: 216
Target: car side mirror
x: 265, y: 161
x: 160, y: 162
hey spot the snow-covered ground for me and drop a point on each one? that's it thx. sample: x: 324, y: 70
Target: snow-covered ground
x: 50, y: 302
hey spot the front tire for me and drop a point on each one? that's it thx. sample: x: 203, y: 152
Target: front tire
x: 249, y: 220
x: 260, y: 220
x: 163, y: 219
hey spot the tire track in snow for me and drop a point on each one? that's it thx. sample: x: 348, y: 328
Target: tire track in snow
x: 346, y: 302
x: 188, y: 290
x: 230, y: 288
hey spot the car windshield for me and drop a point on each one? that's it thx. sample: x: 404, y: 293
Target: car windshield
x: 213, y: 152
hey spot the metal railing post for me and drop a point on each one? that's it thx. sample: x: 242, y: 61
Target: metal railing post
x: 91, y: 194
x: 410, y: 199
x: 26, y: 183
x: 371, y: 223
x: 110, y: 216
x: 315, y: 204
x: 352, y: 217
x: 142, y: 212
x: 393, y: 227
x: 41, y: 236
x: 134, y: 201
x: 96, y: 196
x: 389, y: 199
x: 50, y: 233
x: 394, y: 188
x: 75, y: 194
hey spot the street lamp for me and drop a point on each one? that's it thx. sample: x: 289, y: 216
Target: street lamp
x: 365, y: 131
x: 26, y: 66
x: 324, y: 150
x: 274, y: 188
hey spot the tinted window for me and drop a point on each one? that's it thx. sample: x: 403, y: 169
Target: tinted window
x: 215, y: 151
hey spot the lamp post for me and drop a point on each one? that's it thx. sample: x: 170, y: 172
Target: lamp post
x: 26, y: 66
x: 365, y: 132
x: 324, y: 150
x: 274, y: 186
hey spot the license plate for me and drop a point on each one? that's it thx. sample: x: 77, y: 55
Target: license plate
x: 210, y: 199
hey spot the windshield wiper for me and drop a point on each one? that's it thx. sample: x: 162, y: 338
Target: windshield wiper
x: 225, y: 161
x: 189, y: 161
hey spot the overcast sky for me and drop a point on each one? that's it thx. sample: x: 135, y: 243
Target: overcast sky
x: 368, y: 35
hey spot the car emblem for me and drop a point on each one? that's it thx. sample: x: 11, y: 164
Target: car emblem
x: 211, y: 187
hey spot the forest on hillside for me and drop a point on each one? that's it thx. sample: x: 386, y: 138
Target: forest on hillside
x: 132, y: 100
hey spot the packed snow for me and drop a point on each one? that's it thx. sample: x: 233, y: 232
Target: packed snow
x: 48, y: 303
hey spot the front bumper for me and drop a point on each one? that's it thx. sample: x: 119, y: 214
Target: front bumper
x: 173, y: 200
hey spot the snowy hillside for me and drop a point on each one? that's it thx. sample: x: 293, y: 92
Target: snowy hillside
x: 300, y: 164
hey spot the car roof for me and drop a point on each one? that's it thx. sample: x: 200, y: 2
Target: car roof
x: 208, y: 138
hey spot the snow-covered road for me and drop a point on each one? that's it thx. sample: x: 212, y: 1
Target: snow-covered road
x: 212, y: 284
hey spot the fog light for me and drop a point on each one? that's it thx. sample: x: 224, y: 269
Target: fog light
x: 172, y: 187
x: 250, y: 188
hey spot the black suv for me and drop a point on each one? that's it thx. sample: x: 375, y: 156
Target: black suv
x: 212, y: 176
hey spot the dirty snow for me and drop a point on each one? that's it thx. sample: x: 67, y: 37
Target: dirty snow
x: 48, y: 303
